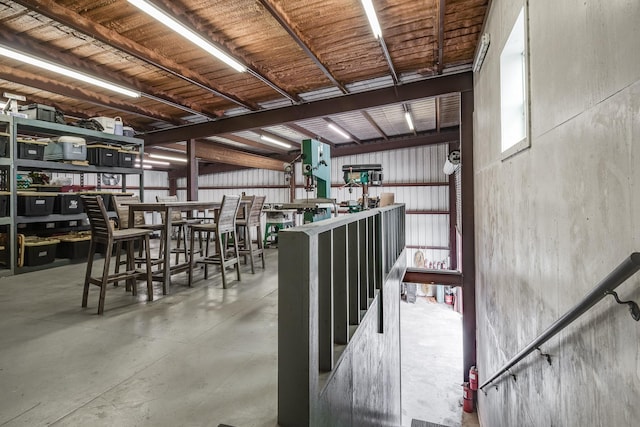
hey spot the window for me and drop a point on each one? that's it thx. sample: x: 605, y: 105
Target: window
x: 514, y: 90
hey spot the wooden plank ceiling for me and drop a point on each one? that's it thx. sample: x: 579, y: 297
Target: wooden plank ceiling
x: 297, y: 54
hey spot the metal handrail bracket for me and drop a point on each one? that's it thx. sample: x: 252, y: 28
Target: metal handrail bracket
x: 619, y: 275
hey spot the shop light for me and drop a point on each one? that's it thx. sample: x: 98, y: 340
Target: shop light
x: 186, y: 32
x: 137, y: 165
x: 373, y: 18
x: 154, y: 162
x: 169, y: 158
x: 339, y: 131
x: 274, y: 141
x: 407, y: 117
x: 59, y: 69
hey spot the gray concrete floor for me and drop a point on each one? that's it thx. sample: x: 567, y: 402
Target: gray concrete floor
x: 432, y: 365
x: 200, y: 356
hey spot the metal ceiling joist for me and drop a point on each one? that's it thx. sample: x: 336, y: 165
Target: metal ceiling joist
x: 374, y: 124
x: 298, y: 39
x: 441, y: 85
x: 351, y: 136
x: 447, y: 135
x: 81, y: 24
x: 309, y: 134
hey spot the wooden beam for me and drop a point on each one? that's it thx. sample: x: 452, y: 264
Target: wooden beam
x: 68, y: 17
x: 54, y: 86
x: 446, y: 84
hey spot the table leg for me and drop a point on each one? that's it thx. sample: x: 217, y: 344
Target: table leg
x: 166, y: 279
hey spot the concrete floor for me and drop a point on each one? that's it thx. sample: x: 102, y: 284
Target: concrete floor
x: 432, y: 365
x: 200, y: 356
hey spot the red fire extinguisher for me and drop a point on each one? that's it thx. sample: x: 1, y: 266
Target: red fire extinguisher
x: 473, y: 378
x: 449, y: 297
x: 467, y: 394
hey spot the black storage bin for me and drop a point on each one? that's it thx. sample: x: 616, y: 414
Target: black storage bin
x: 73, y: 247
x: 68, y: 204
x: 39, y: 112
x: 39, y: 252
x: 4, y: 203
x: 31, y: 150
x: 126, y: 158
x: 4, y: 144
x: 36, y: 203
x: 102, y: 155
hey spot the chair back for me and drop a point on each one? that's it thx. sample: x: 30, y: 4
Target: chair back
x: 249, y: 202
x: 101, y: 229
x: 175, y: 215
x: 122, y: 209
x: 226, y: 218
x: 256, y: 210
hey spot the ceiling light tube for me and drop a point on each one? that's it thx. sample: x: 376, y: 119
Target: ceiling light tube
x: 373, y: 19
x: 275, y: 141
x: 153, y: 162
x: 407, y: 117
x: 170, y: 158
x: 59, y: 69
x: 137, y: 165
x: 186, y: 32
x: 485, y: 41
x: 339, y: 131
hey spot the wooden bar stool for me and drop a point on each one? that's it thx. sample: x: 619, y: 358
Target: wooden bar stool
x: 103, y: 232
x: 122, y: 210
x: 180, y: 225
x: 226, y: 241
x: 246, y: 224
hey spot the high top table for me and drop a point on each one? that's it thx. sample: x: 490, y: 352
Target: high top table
x: 167, y: 208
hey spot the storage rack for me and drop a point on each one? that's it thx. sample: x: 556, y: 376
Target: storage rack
x: 10, y: 165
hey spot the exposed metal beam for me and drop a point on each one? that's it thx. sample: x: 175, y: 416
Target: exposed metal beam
x: 441, y: 277
x: 448, y: 135
x: 309, y: 134
x: 387, y: 57
x: 353, y: 138
x: 54, y: 86
x: 446, y: 84
x: 81, y: 24
x: 284, y: 22
x: 178, y: 11
x: 374, y: 124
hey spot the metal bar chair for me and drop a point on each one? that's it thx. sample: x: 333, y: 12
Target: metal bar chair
x: 102, y: 232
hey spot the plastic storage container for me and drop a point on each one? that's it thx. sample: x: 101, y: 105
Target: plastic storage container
x: 39, y: 112
x: 38, y: 251
x: 68, y: 204
x: 36, y: 203
x: 126, y: 158
x: 4, y: 144
x: 69, y: 148
x: 73, y: 246
x: 30, y: 149
x: 102, y: 155
x: 4, y: 203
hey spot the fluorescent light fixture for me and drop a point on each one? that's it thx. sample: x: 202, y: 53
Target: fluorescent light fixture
x: 339, y: 131
x: 137, y: 165
x: 187, y: 33
x: 407, y: 117
x: 50, y: 66
x: 373, y: 19
x: 275, y: 141
x: 169, y: 158
x: 153, y: 162
x: 485, y: 40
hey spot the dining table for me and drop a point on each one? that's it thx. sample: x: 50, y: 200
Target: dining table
x: 166, y: 209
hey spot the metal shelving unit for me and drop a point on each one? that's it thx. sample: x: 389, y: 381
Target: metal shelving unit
x: 10, y: 165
